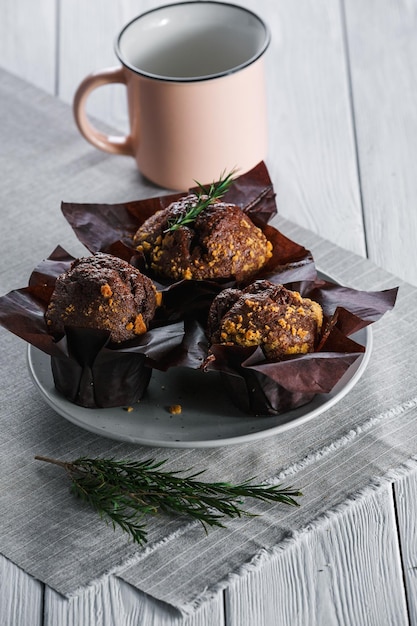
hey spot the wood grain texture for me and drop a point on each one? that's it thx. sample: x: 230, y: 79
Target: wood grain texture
x: 405, y: 490
x: 115, y: 603
x: 345, y: 570
x: 312, y: 156
x: 382, y: 39
x: 21, y: 596
x: 28, y: 41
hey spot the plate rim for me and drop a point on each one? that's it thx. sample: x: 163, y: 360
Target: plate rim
x: 63, y: 407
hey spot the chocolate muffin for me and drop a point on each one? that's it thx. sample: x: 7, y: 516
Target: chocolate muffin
x: 221, y: 242
x: 102, y: 292
x: 266, y: 315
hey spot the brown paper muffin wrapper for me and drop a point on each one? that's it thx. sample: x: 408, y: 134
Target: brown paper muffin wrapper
x: 87, y: 368
x: 111, y: 227
x: 94, y: 377
x: 262, y: 387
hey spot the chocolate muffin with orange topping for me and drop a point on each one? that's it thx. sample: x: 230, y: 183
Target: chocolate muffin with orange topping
x: 221, y: 242
x: 263, y: 314
x: 105, y: 293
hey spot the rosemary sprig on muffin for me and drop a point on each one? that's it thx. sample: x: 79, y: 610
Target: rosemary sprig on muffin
x: 204, y: 197
x: 124, y: 493
x: 199, y: 237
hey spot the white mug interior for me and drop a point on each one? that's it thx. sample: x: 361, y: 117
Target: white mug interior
x: 191, y: 41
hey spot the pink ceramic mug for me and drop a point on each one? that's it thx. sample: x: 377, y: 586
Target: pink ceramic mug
x: 194, y: 73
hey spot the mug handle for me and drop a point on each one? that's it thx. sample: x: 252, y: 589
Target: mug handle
x: 108, y: 143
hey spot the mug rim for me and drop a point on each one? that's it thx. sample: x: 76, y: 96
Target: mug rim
x: 193, y: 79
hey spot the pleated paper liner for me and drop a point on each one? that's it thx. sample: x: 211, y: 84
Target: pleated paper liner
x: 262, y: 387
x: 111, y: 227
x: 87, y: 368
x: 177, y: 336
x: 90, y: 371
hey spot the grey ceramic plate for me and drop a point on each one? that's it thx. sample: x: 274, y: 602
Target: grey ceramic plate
x: 208, y: 417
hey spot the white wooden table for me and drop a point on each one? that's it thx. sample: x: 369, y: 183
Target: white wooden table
x: 343, y: 148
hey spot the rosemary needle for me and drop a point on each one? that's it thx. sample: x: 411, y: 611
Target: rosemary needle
x: 124, y: 493
x: 204, y: 198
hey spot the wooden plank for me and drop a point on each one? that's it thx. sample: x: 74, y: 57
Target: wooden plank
x: 28, y: 41
x: 312, y: 156
x: 383, y: 55
x: 344, y: 570
x: 115, y: 603
x: 21, y: 596
x: 405, y: 490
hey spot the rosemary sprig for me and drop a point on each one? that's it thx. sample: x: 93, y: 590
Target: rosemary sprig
x: 125, y: 492
x: 205, y: 197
